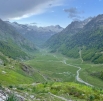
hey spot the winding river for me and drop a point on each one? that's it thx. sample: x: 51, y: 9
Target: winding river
x: 77, y: 76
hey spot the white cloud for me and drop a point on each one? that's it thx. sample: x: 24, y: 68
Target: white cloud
x: 17, y: 9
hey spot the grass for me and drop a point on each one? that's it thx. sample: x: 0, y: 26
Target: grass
x: 55, y: 91
x: 12, y: 74
x: 53, y: 68
x: 50, y: 74
x: 12, y: 97
x: 87, y: 70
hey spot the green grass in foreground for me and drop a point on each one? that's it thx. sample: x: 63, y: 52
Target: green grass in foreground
x: 52, y: 76
x: 57, y: 91
x: 12, y: 97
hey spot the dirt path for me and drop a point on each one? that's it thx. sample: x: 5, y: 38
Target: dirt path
x: 80, y: 54
x: 55, y: 56
x: 59, y: 97
x: 43, y: 77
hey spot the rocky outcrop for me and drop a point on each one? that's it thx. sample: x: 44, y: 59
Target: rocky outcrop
x: 3, y: 96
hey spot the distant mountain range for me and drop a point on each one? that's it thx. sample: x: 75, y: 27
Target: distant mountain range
x: 17, y: 40
x: 12, y: 43
x: 38, y: 35
x: 85, y: 37
x: 80, y: 36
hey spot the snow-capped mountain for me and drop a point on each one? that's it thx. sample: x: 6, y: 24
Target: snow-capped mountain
x: 38, y: 35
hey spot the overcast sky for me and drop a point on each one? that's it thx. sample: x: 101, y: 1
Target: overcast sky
x: 49, y: 12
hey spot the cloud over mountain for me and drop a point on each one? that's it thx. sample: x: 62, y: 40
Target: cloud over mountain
x: 73, y: 13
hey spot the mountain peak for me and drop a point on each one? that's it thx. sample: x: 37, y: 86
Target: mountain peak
x: 36, y: 34
x: 75, y: 25
x: 58, y: 26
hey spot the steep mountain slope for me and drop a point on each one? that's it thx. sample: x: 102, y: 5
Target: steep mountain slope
x: 12, y: 44
x: 37, y: 35
x: 59, y: 39
x: 87, y: 40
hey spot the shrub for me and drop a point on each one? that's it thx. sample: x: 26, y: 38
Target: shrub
x: 91, y: 98
x: 1, y: 86
x: 12, y: 97
x: 10, y: 86
x: 20, y: 88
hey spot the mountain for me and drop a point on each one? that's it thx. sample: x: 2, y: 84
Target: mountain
x: 37, y: 35
x: 12, y: 44
x: 83, y: 37
x: 61, y: 38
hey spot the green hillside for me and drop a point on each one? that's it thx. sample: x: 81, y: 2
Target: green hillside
x: 11, y: 50
x: 13, y: 72
x: 12, y: 44
x: 88, y: 40
x: 48, y: 77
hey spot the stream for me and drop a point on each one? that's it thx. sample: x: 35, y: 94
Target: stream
x: 77, y: 76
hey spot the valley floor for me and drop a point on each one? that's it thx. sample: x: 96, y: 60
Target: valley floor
x: 49, y: 76
x: 56, y: 67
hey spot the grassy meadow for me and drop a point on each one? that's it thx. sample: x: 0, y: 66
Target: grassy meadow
x: 47, y: 77
x: 52, y: 68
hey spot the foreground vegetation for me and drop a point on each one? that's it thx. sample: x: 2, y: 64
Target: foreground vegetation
x: 12, y: 97
x: 58, y: 91
x: 47, y: 77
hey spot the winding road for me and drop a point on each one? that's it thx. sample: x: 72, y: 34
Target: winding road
x: 77, y: 76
